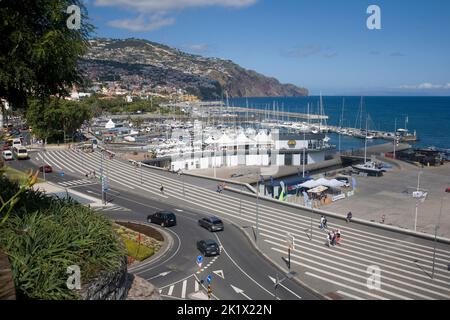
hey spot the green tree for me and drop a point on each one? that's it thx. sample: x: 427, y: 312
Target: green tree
x: 56, y: 117
x: 38, y: 52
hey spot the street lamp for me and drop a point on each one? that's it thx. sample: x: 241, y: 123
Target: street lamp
x: 417, y: 202
x: 435, y: 237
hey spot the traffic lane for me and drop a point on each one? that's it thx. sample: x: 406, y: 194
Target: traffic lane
x: 180, y: 265
x: 259, y: 269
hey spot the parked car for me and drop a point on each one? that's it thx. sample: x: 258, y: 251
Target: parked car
x: 211, y: 223
x: 7, y: 155
x: 163, y: 218
x: 208, y: 247
x: 47, y: 168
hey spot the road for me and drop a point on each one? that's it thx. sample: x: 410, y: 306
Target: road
x: 238, y: 273
x: 404, y: 263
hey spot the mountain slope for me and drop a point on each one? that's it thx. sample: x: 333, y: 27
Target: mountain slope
x: 132, y: 61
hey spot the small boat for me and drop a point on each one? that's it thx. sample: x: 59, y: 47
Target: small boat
x: 371, y: 168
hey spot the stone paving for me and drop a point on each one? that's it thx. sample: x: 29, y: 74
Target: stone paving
x: 391, y: 195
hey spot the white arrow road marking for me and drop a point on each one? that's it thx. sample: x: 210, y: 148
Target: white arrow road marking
x: 275, y: 281
x: 162, y: 274
x: 240, y: 291
x: 219, y: 273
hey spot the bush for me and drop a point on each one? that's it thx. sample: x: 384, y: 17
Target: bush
x: 44, y: 236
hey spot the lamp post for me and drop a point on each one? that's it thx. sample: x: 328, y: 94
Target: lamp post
x: 417, y: 202
x: 304, y: 153
x: 435, y: 238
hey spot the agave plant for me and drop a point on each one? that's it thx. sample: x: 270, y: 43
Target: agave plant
x: 7, y: 206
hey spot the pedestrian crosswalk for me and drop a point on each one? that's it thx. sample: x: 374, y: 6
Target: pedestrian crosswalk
x: 404, y: 263
x: 187, y: 288
x: 113, y: 208
x: 76, y: 183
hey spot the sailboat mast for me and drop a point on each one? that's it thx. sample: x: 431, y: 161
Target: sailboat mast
x: 365, y: 145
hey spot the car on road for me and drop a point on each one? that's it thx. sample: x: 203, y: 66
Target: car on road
x: 20, y: 153
x: 47, y: 168
x: 208, y: 247
x: 447, y: 190
x: 211, y: 223
x: 7, y: 155
x: 163, y: 218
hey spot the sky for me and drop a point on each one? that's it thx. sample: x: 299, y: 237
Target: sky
x: 323, y: 45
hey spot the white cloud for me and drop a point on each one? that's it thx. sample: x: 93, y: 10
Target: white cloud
x: 169, y: 5
x: 425, y: 86
x: 140, y: 25
x: 159, y: 10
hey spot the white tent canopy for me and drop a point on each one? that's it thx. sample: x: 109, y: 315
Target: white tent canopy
x: 242, y: 139
x: 110, y: 124
x: 263, y: 138
x: 224, y: 140
x: 210, y: 140
x: 322, y: 182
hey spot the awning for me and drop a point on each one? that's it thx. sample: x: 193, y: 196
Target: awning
x: 318, y: 189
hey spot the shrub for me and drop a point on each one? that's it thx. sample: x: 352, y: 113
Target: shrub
x: 44, y: 236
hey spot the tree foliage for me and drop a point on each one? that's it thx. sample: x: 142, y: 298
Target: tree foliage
x: 38, y: 52
x: 56, y: 117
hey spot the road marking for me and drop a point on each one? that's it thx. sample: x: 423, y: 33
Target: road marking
x: 219, y: 273
x: 342, y: 293
x: 197, y: 286
x: 162, y: 274
x: 234, y: 262
x: 338, y: 271
x: 240, y: 291
x: 344, y: 285
x: 170, y: 290
x: 183, y: 289
x: 283, y: 286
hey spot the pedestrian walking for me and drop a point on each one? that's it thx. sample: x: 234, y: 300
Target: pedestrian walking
x: 325, y: 221
x: 161, y: 189
x: 338, y: 236
x: 349, y: 217
x: 333, y: 239
x: 328, y: 243
x: 87, y: 175
x: 322, y: 218
x: 383, y: 218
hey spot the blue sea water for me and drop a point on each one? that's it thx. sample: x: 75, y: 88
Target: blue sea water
x: 428, y: 116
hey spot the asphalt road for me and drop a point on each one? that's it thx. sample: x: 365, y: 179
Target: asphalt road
x: 238, y: 273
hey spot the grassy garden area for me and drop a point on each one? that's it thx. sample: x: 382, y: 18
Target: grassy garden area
x: 140, y: 246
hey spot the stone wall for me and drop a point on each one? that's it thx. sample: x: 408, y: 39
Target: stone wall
x: 7, y: 287
x: 109, y: 285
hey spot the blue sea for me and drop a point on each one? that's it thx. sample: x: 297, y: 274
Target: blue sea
x: 428, y: 116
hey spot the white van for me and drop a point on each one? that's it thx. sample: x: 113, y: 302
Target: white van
x: 7, y: 155
x: 20, y: 153
x: 16, y: 143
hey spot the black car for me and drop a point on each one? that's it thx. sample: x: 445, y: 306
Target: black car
x: 211, y: 223
x: 208, y: 248
x: 163, y: 218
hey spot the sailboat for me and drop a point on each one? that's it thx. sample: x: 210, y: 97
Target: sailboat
x: 369, y: 167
